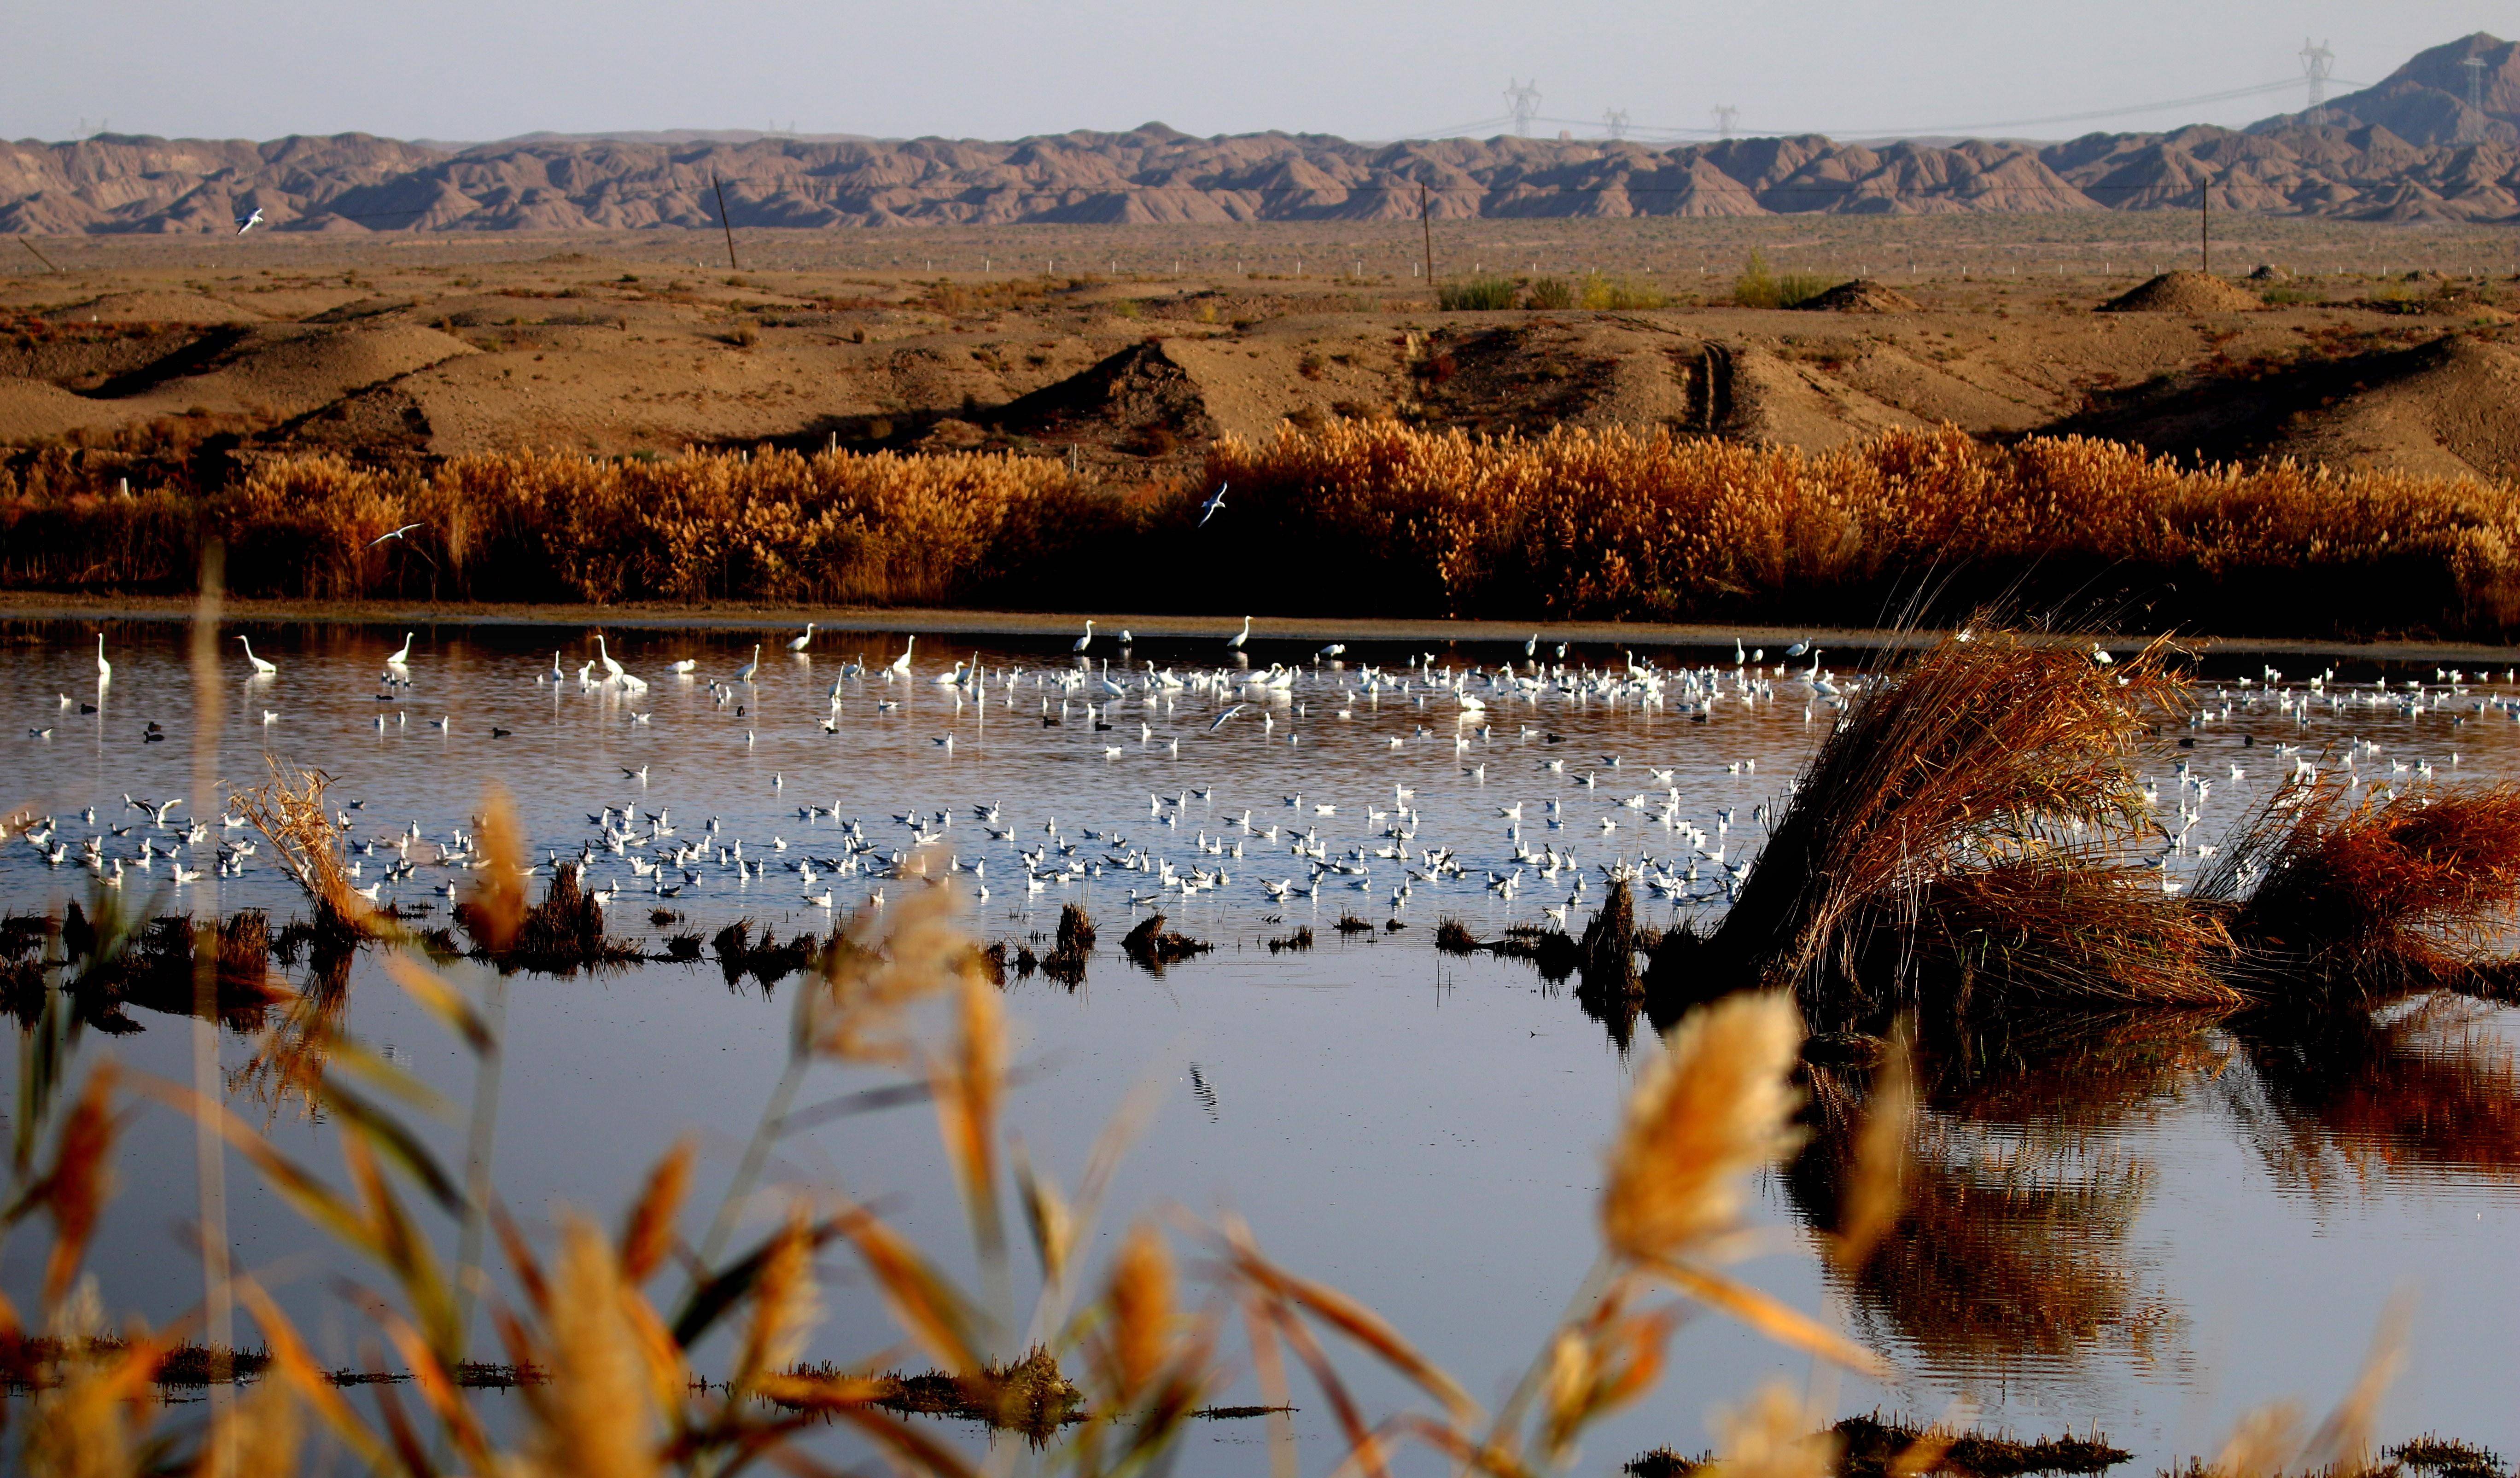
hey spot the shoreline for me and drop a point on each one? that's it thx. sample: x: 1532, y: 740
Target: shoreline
x: 964, y: 622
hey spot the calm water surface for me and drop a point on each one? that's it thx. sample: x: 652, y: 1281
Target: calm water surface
x: 2146, y: 1225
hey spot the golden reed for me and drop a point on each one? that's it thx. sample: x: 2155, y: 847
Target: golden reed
x: 1362, y: 517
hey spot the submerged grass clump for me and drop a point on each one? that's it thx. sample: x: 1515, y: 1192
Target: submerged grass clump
x: 766, y: 961
x: 1298, y: 942
x: 560, y: 935
x: 1872, y: 1445
x: 1151, y: 946
x: 1030, y: 1395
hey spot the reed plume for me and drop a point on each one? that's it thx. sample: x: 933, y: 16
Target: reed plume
x: 1717, y: 1103
x: 597, y: 1413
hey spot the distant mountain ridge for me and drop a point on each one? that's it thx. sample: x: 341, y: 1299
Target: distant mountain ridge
x: 2426, y: 100
x: 2409, y: 149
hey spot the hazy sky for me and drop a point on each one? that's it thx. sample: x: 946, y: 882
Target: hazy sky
x: 489, y: 69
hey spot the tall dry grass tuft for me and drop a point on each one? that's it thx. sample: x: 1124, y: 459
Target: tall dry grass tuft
x: 290, y: 814
x: 1968, y: 785
x: 2377, y: 894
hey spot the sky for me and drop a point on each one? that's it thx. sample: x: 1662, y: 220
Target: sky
x: 482, y: 69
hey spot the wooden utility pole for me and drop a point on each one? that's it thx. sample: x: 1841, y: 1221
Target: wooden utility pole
x: 2205, y: 224
x: 720, y: 186
x: 1426, y: 224
x: 39, y: 256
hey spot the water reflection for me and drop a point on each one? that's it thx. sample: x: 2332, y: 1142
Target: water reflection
x: 2016, y: 1255
x: 2021, y: 1255
x: 2425, y: 1091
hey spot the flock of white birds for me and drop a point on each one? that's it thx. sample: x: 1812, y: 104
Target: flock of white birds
x: 1605, y: 816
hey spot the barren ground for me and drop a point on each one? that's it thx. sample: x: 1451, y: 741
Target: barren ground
x: 2386, y: 346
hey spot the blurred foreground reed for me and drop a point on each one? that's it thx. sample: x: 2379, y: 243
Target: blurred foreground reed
x: 1111, y: 1364
x: 1352, y: 517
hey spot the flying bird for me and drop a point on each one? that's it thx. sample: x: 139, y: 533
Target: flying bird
x: 246, y: 223
x: 1221, y: 717
x: 1208, y: 510
x: 394, y: 534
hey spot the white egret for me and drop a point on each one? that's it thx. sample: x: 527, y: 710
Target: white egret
x: 612, y: 668
x: 745, y: 673
x: 260, y: 667
x: 803, y: 641
x: 1086, y: 640
x: 901, y: 663
x: 103, y: 668
x: 403, y: 656
x: 1235, y: 640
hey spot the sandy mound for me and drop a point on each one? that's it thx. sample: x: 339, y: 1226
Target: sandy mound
x: 2449, y: 408
x: 154, y: 307
x: 288, y: 372
x: 2186, y: 293
x: 1861, y: 296
x: 1140, y: 398
x: 31, y: 410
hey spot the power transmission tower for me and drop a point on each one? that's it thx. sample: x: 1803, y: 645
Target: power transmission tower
x: 2317, y: 64
x: 1522, y: 100
x: 1724, y: 113
x: 2475, y: 82
x: 1615, y: 119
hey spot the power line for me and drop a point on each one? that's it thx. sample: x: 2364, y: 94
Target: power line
x: 1722, y: 128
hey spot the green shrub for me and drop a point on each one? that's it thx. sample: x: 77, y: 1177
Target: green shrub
x: 1475, y: 294
x: 1602, y: 292
x: 1551, y: 292
x: 1759, y: 287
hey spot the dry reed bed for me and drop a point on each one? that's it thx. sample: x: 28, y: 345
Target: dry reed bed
x: 1359, y: 517
x: 835, y: 527
x: 1595, y: 523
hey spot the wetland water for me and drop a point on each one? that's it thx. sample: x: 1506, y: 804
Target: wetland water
x: 2148, y: 1226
